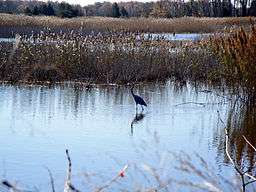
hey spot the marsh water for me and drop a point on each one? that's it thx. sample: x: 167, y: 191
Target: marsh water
x: 166, y: 36
x: 9, y: 40
x: 100, y: 128
x: 177, y: 36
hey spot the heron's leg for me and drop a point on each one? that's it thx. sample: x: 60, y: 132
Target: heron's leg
x: 136, y: 108
x: 131, y: 129
x: 142, y: 108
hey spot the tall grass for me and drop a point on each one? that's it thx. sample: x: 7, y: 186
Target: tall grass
x: 115, y: 58
x: 12, y: 24
x: 237, y: 52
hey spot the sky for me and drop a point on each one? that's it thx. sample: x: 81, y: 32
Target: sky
x: 87, y: 2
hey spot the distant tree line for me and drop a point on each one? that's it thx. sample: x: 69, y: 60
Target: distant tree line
x: 56, y: 9
x: 41, y: 8
x: 174, y: 8
x: 162, y: 8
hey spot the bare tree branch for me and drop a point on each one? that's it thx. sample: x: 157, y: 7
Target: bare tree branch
x: 68, y: 185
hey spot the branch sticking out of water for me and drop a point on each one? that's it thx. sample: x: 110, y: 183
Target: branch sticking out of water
x: 68, y: 185
x: 237, y: 168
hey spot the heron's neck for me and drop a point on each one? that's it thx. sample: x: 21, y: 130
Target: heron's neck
x: 132, y: 92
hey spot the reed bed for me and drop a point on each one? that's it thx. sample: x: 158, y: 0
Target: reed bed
x: 236, y: 52
x: 116, y: 58
x: 12, y: 24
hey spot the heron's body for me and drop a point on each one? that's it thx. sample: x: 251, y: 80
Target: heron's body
x: 138, y: 100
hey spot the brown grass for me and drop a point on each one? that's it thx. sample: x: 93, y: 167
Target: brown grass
x: 237, y: 52
x: 112, y: 58
x: 120, y: 57
x: 12, y: 24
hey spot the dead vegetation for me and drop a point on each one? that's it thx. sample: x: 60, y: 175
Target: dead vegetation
x: 25, y: 25
x: 116, y: 58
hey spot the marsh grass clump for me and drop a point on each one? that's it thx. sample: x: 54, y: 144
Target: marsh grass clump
x: 237, y: 51
x: 116, y: 58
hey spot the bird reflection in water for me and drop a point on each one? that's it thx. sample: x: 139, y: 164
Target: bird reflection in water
x: 138, y: 117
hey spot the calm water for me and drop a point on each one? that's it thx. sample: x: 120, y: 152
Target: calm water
x: 98, y: 127
x: 10, y: 40
x: 178, y: 36
x: 166, y: 36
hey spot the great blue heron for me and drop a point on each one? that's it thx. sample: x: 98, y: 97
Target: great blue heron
x: 138, y: 100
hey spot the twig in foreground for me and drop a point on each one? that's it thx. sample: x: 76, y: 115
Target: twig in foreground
x: 120, y: 174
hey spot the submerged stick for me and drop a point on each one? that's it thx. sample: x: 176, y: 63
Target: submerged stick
x: 196, y: 103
